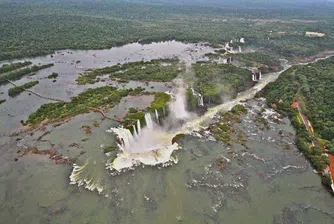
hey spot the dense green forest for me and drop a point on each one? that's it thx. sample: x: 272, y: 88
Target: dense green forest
x: 19, y: 89
x: 17, y: 74
x: 163, y: 70
x: 40, y: 27
x: 312, y: 86
x: 11, y: 67
x: 264, y: 62
x: 106, y: 96
x: 219, y: 82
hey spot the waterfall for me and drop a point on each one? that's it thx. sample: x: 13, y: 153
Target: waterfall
x: 151, y: 137
x: 149, y: 122
x: 178, y: 106
x: 240, y: 50
x: 260, y: 77
x: 138, y: 127
x: 157, y: 115
x: 200, y: 100
x: 135, y: 131
x: 199, y: 97
x: 126, y: 139
x: 253, y: 78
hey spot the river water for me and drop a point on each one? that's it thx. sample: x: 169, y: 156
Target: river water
x: 260, y: 183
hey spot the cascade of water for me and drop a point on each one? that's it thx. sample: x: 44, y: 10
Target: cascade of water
x: 178, y: 106
x: 149, y: 122
x: 200, y: 100
x: 240, y: 50
x: 138, y: 127
x: 199, y: 97
x: 157, y: 115
x: 135, y: 131
x: 260, y: 77
x: 126, y: 138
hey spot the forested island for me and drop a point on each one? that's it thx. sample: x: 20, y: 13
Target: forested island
x: 19, y: 89
x: 159, y: 70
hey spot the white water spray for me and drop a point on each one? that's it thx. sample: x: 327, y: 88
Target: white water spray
x: 178, y: 106
x: 135, y: 131
x: 157, y: 115
x: 199, y: 97
x: 149, y: 121
x: 138, y: 127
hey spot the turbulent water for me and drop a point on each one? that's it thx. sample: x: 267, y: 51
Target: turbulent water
x: 154, y: 143
x: 203, y: 181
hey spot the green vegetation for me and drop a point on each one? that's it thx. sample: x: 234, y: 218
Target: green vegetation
x: 223, y: 129
x: 312, y: 86
x: 2, y: 101
x: 159, y: 103
x: 11, y: 67
x: 106, y: 96
x: 19, y: 89
x: 109, y: 149
x: 162, y: 70
x: 264, y: 62
x: 177, y: 138
x: 217, y: 82
x: 218, y: 54
x: 326, y: 180
x: 53, y: 75
x: 239, y: 109
x: 132, y: 110
x: 192, y: 101
x: 19, y: 73
x: 28, y: 28
x: 96, y: 124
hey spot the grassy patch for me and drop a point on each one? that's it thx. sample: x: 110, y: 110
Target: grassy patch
x: 109, y: 149
x: 160, y: 101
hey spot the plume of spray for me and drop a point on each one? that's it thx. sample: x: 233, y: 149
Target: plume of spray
x: 178, y: 105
